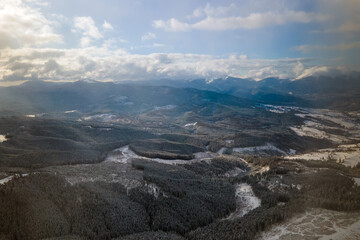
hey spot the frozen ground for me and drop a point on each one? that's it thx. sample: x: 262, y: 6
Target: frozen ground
x: 327, y: 124
x: 348, y: 154
x: 316, y: 224
x: 245, y: 201
x: 316, y: 130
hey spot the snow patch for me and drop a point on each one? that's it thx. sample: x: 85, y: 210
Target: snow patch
x: 70, y: 111
x: 279, y: 109
x: 190, y: 124
x: 9, y: 178
x: 245, y: 201
x: 2, y: 138
x: 154, y: 190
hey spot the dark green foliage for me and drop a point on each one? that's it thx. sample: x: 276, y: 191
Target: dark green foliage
x: 44, y: 142
x: 218, y: 166
x: 159, y: 148
x: 355, y: 171
x: 43, y: 206
x: 182, y: 138
x: 257, y: 220
x: 331, y: 190
x: 190, y: 201
x: 159, y: 235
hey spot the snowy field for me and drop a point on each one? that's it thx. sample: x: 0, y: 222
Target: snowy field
x: 245, y: 201
x: 348, y: 154
x: 321, y: 123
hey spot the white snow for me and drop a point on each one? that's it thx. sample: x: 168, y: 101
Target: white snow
x: 279, y: 109
x: 2, y: 138
x: 9, y: 178
x: 70, y: 111
x: 245, y: 201
x: 5, y: 180
x: 30, y: 115
x: 190, y: 124
x: 154, y: 190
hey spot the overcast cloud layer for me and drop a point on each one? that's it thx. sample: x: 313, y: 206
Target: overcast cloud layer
x: 286, y: 39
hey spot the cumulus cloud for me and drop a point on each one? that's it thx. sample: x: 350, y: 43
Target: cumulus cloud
x: 86, y: 26
x: 21, y: 25
x: 217, y: 18
x: 23, y: 28
x: 102, y: 63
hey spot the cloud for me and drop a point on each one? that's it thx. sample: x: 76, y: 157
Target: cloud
x: 317, y: 71
x: 102, y: 63
x: 340, y: 47
x: 218, y: 19
x: 148, y: 36
x: 107, y: 26
x: 86, y: 26
x: 21, y: 25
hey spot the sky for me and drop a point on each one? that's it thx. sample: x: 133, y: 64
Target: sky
x: 122, y: 40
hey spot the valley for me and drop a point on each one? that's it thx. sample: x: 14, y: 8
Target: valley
x: 194, y: 165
